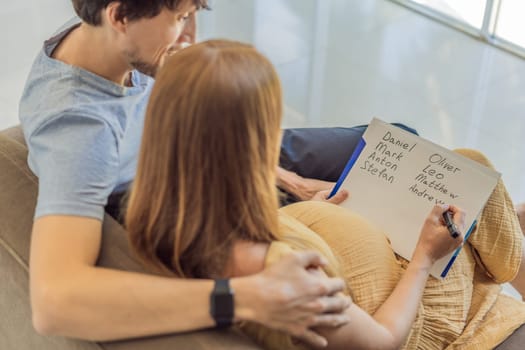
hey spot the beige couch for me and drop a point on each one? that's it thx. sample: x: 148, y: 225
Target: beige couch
x: 18, y: 190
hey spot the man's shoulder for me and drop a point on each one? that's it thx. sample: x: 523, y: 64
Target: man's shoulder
x: 54, y: 92
x: 55, y: 89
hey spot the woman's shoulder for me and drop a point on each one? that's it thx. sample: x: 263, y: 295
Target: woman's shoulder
x: 247, y: 258
x: 276, y: 251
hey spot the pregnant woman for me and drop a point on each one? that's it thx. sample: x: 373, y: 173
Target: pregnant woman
x: 204, y: 204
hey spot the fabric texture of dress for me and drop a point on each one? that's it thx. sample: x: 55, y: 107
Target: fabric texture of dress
x: 463, y: 311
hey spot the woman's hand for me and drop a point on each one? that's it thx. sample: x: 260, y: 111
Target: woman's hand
x: 338, y: 198
x: 435, y: 240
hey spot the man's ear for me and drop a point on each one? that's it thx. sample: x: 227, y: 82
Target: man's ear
x: 110, y: 15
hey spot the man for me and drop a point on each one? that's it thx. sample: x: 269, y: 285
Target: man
x: 82, y: 113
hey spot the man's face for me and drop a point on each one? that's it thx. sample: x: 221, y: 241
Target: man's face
x: 152, y: 40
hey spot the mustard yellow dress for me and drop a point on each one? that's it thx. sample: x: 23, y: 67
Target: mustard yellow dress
x: 464, y: 311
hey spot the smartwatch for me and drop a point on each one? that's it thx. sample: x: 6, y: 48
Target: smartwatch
x: 222, y: 303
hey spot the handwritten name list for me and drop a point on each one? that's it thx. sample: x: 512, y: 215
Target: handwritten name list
x: 398, y: 177
x: 386, y: 156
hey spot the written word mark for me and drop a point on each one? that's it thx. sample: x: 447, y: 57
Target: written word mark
x: 384, y: 161
x: 435, y: 185
x: 398, y: 142
x: 382, y: 148
x: 371, y: 169
x: 442, y: 162
x: 425, y: 195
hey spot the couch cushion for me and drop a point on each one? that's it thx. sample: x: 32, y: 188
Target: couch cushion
x: 18, y: 193
x: 18, y: 190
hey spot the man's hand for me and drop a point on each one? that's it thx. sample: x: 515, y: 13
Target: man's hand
x: 302, y: 188
x: 290, y: 296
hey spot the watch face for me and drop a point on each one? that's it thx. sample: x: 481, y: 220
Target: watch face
x: 222, y: 305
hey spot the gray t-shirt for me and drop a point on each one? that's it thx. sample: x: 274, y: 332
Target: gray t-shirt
x: 83, y: 133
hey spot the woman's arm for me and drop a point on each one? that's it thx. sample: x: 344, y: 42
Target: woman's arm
x: 391, y: 323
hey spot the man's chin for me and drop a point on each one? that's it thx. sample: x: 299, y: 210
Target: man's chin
x: 146, y: 68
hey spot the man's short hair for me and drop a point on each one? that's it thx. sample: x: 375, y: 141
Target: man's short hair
x: 90, y: 10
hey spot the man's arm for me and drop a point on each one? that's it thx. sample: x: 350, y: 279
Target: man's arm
x: 72, y: 297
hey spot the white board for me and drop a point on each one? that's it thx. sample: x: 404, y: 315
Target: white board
x: 398, y: 177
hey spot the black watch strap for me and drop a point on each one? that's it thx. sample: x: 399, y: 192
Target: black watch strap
x: 222, y: 303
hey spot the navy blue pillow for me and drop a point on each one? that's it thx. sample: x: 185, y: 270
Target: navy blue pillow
x: 321, y: 153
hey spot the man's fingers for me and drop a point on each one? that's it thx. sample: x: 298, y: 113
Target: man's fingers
x: 331, y: 304
x: 325, y: 286
x: 333, y: 285
x: 331, y: 321
x: 309, y: 259
x: 339, y: 197
x: 311, y: 338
